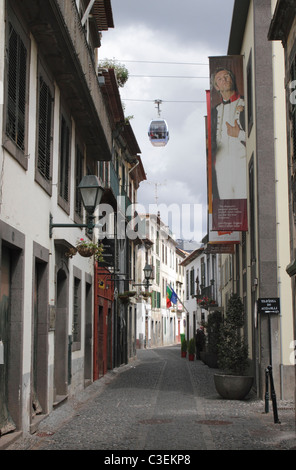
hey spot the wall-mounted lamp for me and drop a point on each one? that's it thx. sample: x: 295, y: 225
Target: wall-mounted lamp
x: 148, y: 274
x: 91, y: 195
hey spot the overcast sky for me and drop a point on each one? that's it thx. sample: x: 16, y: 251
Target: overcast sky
x: 146, y: 36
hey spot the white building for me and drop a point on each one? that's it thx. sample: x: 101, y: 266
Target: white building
x: 202, y: 281
x: 158, y: 324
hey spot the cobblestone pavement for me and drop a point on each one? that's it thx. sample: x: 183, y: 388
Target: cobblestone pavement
x: 161, y: 402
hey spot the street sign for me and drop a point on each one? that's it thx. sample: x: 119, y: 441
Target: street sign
x: 269, y: 305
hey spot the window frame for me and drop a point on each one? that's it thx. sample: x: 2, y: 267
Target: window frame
x: 64, y: 203
x: 77, y: 309
x: 20, y: 154
x: 45, y: 183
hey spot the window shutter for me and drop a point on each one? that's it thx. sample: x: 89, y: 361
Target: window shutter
x: 44, y: 135
x: 64, y: 160
x: 17, y: 83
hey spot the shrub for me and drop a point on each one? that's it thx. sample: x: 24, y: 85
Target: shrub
x: 232, y: 351
x: 184, y: 345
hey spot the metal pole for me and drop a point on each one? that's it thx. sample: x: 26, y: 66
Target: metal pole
x: 273, y: 397
x: 266, y: 392
x: 269, y: 369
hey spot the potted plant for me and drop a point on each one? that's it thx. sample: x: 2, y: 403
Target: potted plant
x: 233, y: 354
x: 125, y: 296
x: 86, y: 249
x: 191, y: 349
x: 214, y: 324
x: 184, y: 348
x: 205, y: 302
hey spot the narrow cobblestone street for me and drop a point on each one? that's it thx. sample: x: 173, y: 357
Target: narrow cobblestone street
x: 162, y: 402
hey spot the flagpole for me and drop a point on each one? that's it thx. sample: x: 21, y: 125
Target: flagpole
x: 179, y: 299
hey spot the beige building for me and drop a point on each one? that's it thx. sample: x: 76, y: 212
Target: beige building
x: 282, y: 33
x: 258, y: 267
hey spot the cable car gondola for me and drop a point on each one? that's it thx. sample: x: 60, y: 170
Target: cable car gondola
x: 158, y: 130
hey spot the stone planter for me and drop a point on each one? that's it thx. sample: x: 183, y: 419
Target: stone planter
x: 211, y: 360
x: 233, y: 387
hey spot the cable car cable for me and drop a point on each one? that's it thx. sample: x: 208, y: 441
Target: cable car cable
x: 164, y: 101
x: 155, y: 62
x: 163, y: 76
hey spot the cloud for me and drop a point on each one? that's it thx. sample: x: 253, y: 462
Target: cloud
x: 147, y: 36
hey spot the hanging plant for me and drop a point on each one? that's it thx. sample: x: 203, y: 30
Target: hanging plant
x: 121, y: 72
x: 125, y: 296
x: 86, y: 249
x: 206, y: 302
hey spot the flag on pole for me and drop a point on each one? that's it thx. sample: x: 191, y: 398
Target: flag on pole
x: 171, y: 297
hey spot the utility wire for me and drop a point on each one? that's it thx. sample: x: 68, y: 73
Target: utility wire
x: 172, y: 63
x: 165, y: 101
x: 162, y: 76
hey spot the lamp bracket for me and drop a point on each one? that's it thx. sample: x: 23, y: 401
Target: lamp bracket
x: 90, y: 225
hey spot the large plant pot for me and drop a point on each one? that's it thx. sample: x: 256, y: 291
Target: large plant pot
x: 191, y: 357
x: 233, y: 387
x: 183, y: 353
x: 203, y: 356
x: 211, y: 360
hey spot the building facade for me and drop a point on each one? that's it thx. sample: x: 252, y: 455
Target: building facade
x: 202, y: 287
x: 283, y: 28
x: 61, y: 326
x: 158, y: 322
x: 258, y: 265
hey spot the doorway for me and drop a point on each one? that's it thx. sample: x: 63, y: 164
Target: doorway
x: 61, y: 337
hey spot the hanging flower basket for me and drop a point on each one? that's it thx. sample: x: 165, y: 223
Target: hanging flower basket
x: 206, y: 302
x: 125, y: 296
x: 86, y: 249
x: 146, y: 295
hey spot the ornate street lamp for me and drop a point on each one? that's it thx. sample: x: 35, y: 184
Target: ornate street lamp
x: 91, y: 195
x: 148, y: 274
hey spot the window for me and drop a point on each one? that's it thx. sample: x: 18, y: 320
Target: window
x: 203, y: 273
x: 293, y: 112
x: 64, y: 169
x: 250, y: 93
x: 192, y: 281
x: 16, y: 90
x: 76, y: 326
x: 44, y: 129
x: 78, y: 178
x: 157, y: 272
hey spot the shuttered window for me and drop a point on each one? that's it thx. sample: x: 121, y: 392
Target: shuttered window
x: 78, y: 178
x: 64, y: 178
x: 293, y: 111
x: 76, y: 310
x: 16, y: 88
x: 45, y: 129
